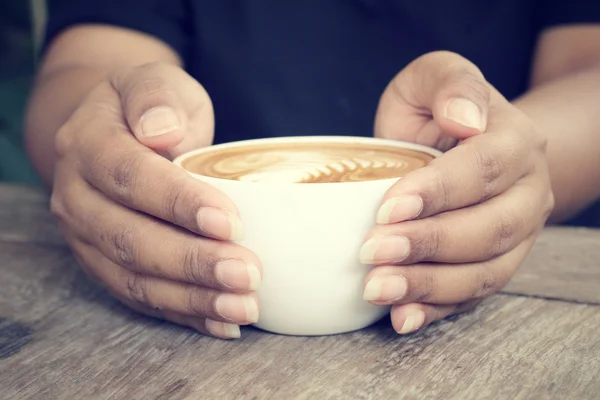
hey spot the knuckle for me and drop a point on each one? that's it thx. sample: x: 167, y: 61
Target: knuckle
x: 548, y: 206
x: 527, y: 143
x: 530, y: 132
x: 489, y: 168
x: 152, y: 66
x: 456, y: 73
x: 146, y: 86
x: 155, y: 89
x: 542, y: 142
x: 515, y: 150
x: 57, y: 206
x: 503, y: 232
x: 472, y: 80
x: 196, y: 265
x: 440, y: 183
x: 431, y: 247
x: 63, y: 141
x: 427, y: 288
x: 123, y: 241
x: 487, y: 283
x: 540, y: 139
x: 137, y: 288
x: 124, y: 175
x: 180, y: 203
x: 150, y: 86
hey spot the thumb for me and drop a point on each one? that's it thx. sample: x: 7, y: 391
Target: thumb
x: 438, y: 92
x: 165, y: 108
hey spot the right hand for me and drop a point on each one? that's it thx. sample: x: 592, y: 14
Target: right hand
x: 159, y: 240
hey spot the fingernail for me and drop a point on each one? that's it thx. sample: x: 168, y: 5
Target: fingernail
x: 237, y: 308
x: 465, y: 112
x: 398, y: 209
x: 220, y: 224
x: 385, y: 288
x: 223, y: 329
x: 412, y: 322
x: 384, y: 249
x: 238, y: 274
x: 158, y: 121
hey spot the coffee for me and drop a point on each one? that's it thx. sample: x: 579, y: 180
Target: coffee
x: 305, y: 162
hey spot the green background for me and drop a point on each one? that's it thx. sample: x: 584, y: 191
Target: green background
x: 16, y: 72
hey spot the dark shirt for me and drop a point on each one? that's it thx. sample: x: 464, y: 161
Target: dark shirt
x: 318, y: 67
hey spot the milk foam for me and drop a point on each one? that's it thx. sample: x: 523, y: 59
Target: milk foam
x: 308, y: 163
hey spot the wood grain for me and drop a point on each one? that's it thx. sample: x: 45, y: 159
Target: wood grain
x: 77, y: 343
x: 25, y: 216
x: 564, y: 264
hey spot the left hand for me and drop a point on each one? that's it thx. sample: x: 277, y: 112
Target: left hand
x: 454, y: 232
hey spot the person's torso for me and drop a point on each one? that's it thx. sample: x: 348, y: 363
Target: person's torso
x: 315, y: 67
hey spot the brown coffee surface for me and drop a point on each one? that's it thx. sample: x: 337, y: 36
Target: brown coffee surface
x: 307, y: 162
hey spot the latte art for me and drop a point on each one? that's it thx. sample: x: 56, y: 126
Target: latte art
x: 307, y: 162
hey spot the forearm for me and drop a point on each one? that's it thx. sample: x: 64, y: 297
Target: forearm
x: 74, y: 65
x: 567, y: 111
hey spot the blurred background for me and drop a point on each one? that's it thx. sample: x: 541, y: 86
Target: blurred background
x: 21, y: 31
x: 20, y: 28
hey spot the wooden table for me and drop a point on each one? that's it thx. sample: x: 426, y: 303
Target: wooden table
x: 62, y: 337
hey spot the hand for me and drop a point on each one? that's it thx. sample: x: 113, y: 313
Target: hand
x: 454, y: 232
x: 159, y: 240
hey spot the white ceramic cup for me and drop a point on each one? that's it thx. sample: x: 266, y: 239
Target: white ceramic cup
x: 308, y: 237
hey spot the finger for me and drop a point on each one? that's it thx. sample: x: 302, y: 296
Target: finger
x: 442, y: 85
x: 168, y: 296
x: 209, y: 327
x: 477, y: 233
x: 149, y: 246
x: 206, y: 326
x: 138, y: 178
x: 165, y: 107
x: 474, y: 171
x: 409, y: 318
x: 443, y: 283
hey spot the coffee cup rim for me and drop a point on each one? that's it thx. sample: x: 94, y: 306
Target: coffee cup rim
x: 179, y: 160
